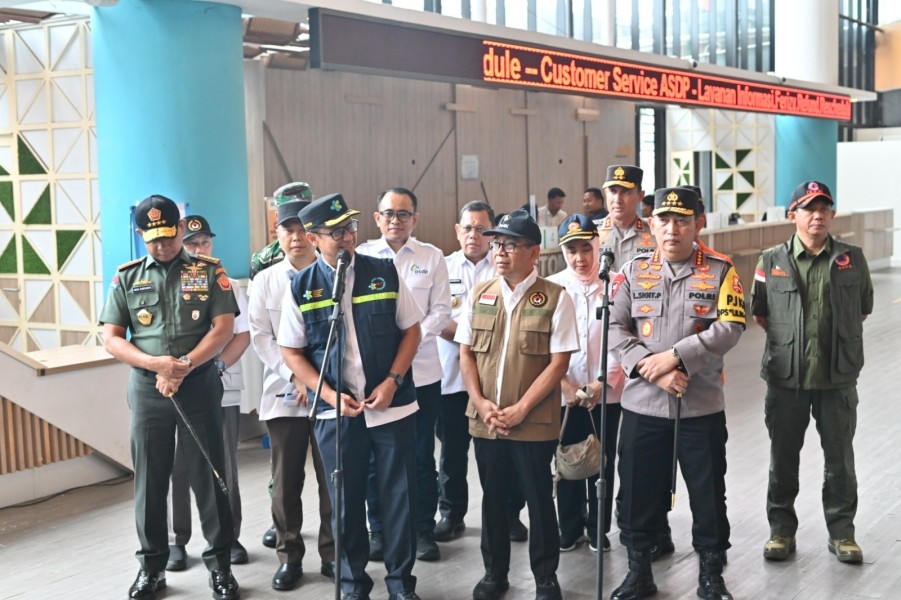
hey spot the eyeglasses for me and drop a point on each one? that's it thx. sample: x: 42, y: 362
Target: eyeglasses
x: 339, y: 233
x: 509, y: 247
x: 470, y: 228
x: 402, y: 215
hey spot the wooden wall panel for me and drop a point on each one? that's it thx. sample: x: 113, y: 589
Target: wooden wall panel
x: 358, y: 135
x: 498, y: 138
x: 556, y: 148
x: 610, y: 139
x: 27, y: 442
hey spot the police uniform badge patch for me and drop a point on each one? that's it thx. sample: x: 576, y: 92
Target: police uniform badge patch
x: 537, y: 299
x: 195, y: 315
x: 145, y: 318
x: 647, y: 329
x: 455, y: 301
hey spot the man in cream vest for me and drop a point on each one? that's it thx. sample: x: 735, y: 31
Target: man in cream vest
x: 516, y: 337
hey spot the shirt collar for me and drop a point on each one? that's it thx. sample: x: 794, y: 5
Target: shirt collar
x: 798, y: 249
x: 523, y: 285
x: 382, y: 246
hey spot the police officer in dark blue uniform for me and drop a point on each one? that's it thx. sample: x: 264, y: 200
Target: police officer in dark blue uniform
x: 378, y: 400
x: 180, y: 311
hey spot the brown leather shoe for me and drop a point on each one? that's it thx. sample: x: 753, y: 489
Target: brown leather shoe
x: 778, y: 547
x: 846, y: 550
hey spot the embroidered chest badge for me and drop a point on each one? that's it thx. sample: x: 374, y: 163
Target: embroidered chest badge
x: 377, y: 283
x: 537, y: 299
x: 647, y: 329
x: 489, y: 299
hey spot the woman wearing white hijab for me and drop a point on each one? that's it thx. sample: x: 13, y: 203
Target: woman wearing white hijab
x: 580, y: 246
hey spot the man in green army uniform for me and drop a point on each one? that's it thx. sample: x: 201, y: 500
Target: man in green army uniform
x: 180, y: 311
x: 273, y: 253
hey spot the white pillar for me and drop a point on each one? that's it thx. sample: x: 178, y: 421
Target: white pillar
x: 605, y: 14
x: 479, y: 10
x: 807, y: 40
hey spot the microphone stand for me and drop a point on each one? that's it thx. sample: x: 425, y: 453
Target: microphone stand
x: 336, y: 333
x: 602, y: 313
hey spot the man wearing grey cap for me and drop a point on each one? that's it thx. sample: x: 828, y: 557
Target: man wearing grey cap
x: 811, y: 295
x: 516, y: 337
x: 284, y: 408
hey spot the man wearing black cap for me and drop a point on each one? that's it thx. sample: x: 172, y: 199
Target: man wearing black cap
x: 285, y: 409
x: 516, y: 336
x: 180, y: 312
x: 811, y: 295
x: 273, y: 253
x: 378, y: 400
x: 622, y: 231
x: 676, y: 312
x: 198, y: 240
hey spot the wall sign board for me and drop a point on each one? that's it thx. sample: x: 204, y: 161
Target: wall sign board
x: 347, y: 42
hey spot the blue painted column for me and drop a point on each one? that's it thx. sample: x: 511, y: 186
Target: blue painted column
x: 806, y: 148
x: 170, y: 119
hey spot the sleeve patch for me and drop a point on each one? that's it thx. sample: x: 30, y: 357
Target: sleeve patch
x: 731, y: 304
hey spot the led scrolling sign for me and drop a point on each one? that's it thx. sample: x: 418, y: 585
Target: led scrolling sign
x: 535, y: 67
x: 342, y: 41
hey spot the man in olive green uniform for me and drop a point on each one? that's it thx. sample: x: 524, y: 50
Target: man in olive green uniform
x: 180, y: 311
x: 811, y: 295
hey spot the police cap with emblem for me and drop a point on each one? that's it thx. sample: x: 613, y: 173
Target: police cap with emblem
x: 627, y: 176
x: 195, y: 224
x: 518, y: 223
x: 327, y: 211
x: 577, y: 227
x: 679, y: 200
x: 157, y: 217
x: 697, y: 190
x: 809, y: 191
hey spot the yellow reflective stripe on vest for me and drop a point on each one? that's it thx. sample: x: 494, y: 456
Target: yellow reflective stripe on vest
x: 371, y: 297
x: 315, y: 305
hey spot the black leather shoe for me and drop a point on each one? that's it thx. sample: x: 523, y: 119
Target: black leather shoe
x: 270, y: 537
x: 663, y: 546
x: 639, y: 582
x: 548, y: 588
x: 446, y: 530
x: 404, y: 596
x: 711, y: 585
x: 376, y: 547
x: 355, y: 596
x: 328, y: 569
x: 426, y: 548
x: 518, y: 531
x: 178, y: 558
x: 287, y: 576
x: 239, y: 554
x: 490, y: 587
x: 147, y: 584
x: 223, y: 584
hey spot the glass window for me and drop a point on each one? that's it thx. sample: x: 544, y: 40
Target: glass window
x: 452, y: 8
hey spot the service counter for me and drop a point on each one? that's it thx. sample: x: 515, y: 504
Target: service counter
x: 870, y: 229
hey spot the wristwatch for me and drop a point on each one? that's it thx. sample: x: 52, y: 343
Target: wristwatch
x: 187, y: 359
x: 398, y: 379
x: 220, y: 364
x: 675, y: 352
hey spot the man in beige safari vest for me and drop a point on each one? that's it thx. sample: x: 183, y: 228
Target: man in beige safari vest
x: 516, y: 336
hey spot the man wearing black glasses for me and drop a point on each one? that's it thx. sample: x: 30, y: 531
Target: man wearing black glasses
x: 381, y: 335
x: 516, y: 336
x: 423, y: 269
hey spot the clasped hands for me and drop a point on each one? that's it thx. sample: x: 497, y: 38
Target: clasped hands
x: 499, y: 420
x: 170, y: 372
x: 380, y: 399
x: 662, y: 369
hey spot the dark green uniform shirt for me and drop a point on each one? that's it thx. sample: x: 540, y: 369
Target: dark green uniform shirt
x: 169, y: 309
x: 816, y: 356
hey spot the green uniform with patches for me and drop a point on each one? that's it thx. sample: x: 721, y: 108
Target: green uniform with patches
x: 265, y: 258
x: 168, y: 309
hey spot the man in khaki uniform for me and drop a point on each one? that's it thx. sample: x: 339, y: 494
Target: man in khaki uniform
x: 622, y: 231
x: 516, y: 337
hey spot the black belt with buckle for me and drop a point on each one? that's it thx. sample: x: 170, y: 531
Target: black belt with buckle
x: 195, y: 371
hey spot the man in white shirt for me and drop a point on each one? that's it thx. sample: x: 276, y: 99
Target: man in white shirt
x: 423, y: 269
x: 552, y: 213
x: 284, y: 408
x: 377, y: 398
x: 516, y: 337
x: 466, y: 267
x: 198, y: 239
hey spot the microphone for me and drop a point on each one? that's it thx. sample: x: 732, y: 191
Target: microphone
x: 607, y: 259
x: 340, y: 275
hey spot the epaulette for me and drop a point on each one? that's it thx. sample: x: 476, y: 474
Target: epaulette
x: 709, y: 251
x: 208, y: 259
x: 129, y: 264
